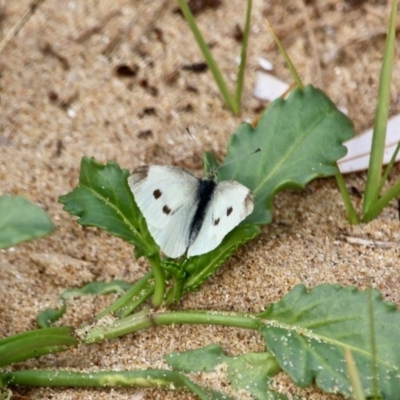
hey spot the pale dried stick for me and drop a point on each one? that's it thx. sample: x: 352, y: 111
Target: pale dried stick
x: 17, y: 27
x: 313, y: 42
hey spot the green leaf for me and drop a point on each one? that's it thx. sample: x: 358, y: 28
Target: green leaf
x: 98, y: 289
x: 21, y: 220
x: 47, y: 317
x: 308, y: 332
x: 199, y: 268
x: 250, y: 372
x: 103, y: 199
x: 32, y: 344
x: 300, y: 139
x: 210, y: 163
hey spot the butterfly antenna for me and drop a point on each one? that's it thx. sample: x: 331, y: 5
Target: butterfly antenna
x: 239, y: 158
x: 213, y: 170
x: 199, y: 147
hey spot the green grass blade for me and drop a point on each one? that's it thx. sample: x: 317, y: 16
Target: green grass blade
x: 381, y: 117
x: 351, y: 212
x: 226, y: 94
x: 379, y: 205
x: 388, y: 170
x: 243, y: 56
x: 289, y: 63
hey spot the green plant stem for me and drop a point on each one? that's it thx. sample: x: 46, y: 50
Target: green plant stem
x: 237, y: 320
x: 52, y: 340
x: 147, y: 378
x: 159, y: 280
x: 146, y: 293
x: 174, y: 293
x: 381, y: 117
x: 208, y: 57
x: 132, y: 299
x: 143, y: 320
x: 243, y: 56
x: 351, y: 212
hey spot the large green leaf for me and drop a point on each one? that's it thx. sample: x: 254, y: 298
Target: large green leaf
x: 300, y: 139
x: 103, y: 199
x: 309, y: 331
x: 21, y: 220
x: 250, y: 372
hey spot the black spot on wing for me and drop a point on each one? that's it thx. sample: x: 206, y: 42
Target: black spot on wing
x: 229, y: 211
x: 216, y: 222
x: 166, y: 210
x: 157, y: 194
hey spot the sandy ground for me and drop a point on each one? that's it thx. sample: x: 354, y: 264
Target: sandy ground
x: 61, y: 99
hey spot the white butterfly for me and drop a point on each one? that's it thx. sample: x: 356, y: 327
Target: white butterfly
x: 185, y: 213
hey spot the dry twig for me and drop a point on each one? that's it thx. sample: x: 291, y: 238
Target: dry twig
x: 372, y: 243
x: 22, y: 21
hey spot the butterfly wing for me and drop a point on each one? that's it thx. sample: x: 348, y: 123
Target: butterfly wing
x: 230, y: 204
x: 166, y: 196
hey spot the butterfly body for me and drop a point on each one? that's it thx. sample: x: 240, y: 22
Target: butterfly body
x: 185, y: 213
x: 204, y: 194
